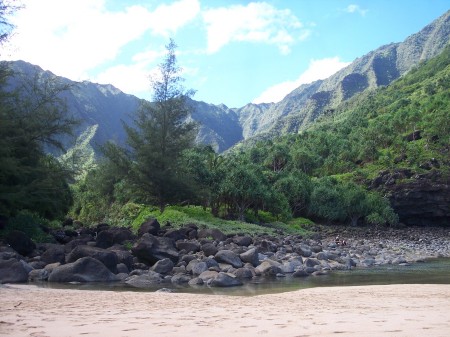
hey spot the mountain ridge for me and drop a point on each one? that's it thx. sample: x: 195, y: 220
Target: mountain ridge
x: 223, y: 127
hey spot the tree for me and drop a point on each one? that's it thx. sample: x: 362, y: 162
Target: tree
x: 297, y: 188
x: 206, y: 170
x: 6, y: 8
x: 32, y: 119
x: 242, y: 188
x: 160, y: 134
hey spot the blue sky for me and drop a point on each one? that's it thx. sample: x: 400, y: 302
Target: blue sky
x: 232, y: 52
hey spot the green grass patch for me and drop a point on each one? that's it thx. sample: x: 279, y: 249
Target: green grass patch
x: 178, y: 216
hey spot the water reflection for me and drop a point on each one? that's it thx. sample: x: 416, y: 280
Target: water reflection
x: 431, y: 272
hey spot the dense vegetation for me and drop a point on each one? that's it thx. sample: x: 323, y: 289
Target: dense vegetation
x: 322, y: 174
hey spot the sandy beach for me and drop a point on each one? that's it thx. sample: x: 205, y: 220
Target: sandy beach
x: 392, y: 310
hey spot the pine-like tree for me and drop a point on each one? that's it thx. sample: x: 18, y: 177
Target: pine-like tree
x: 162, y: 131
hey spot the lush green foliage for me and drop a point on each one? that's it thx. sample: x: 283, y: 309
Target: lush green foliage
x: 31, y: 119
x: 158, y: 138
x: 31, y: 224
x: 320, y: 174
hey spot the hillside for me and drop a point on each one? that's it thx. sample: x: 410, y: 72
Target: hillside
x: 394, y: 140
x: 105, y: 107
x: 378, y: 68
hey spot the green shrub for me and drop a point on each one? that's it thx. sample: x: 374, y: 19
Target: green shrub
x: 29, y: 223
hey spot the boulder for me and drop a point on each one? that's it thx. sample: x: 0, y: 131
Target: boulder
x: 209, y: 249
x: 20, y: 242
x: 188, y: 246
x: 151, y: 226
x: 210, y: 262
x: 212, y: 233
x: 311, y: 262
x: 69, y: 246
x: 13, y: 271
x: 108, y: 258
x: 199, y: 268
x: 85, y: 269
x: 54, y: 253
x: 196, y: 282
x: 243, y: 241
x: 175, y: 234
x: 146, y: 280
x: 291, y: 265
x: 122, y: 268
x: 117, y: 235
x: 38, y: 275
x: 180, y: 279
x: 229, y: 257
x: 208, y: 275
x: 225, y: 280
x: 151, y: 249
x: 300, y: 273
x: 243, y: 273
x: 163, y: 266
x: 304, y: 250
x: 123, y: 256
x: 250, y: 256
x: 269, y: 268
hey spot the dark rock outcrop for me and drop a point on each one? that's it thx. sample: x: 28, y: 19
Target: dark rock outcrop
x: 106, y: 257
x: 151, y: 249
x: 422, y: 202
x: 20, y: 242
x: 151, y: 226
x: 418, y: 199
x: 229, y: 257
x: 109, y: 237
x: 13, y: 271
x: 54, y: 253
x: 86, y: 269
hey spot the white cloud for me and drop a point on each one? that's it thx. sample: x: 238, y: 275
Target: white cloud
x: 71, y: 38
x: 167, y: 19
x: 256, y: 22
x: 356, y: 9
x: 131, y: 79
x: 317, y: 70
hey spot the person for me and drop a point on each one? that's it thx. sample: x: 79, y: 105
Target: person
x: 340, y: 242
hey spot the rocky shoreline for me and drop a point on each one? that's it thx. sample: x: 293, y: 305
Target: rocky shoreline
x: 162, y: 257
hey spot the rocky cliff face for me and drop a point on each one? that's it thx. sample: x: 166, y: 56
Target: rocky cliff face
x: 418, y: 199
x: 377, y: 68
x: 222, y: 127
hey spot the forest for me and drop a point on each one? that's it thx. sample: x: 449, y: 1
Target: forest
x: 320, y: 175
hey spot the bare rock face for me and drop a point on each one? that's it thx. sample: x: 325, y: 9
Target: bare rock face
x: 151, y: 249
x: 418, y: 199
x: 421, y: 202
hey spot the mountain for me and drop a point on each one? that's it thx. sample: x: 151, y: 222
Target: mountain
x: 102, y: 108
x: 377, y: 68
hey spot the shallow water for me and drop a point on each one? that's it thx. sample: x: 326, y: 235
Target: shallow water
x: 435, y: 271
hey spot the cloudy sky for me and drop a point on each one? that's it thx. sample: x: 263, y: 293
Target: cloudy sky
x: 231, y: 52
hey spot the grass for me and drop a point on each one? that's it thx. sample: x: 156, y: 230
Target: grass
x: 178, y: 216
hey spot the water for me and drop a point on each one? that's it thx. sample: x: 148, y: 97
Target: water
x: 431, y: 272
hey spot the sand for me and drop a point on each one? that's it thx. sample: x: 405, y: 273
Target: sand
x: 392, y: 310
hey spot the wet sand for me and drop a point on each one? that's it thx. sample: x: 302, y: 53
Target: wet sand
x: 388, y: 310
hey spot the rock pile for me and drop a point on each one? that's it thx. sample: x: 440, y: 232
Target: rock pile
x: 189, y: 256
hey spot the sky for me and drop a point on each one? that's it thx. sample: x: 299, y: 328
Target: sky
x: 231, y: 52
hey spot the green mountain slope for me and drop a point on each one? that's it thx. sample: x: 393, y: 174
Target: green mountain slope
x: 395, y: 139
